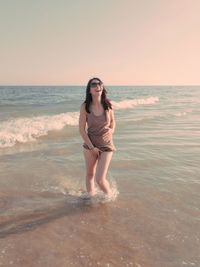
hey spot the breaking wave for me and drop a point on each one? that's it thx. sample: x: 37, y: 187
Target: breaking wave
x: 23, y: 130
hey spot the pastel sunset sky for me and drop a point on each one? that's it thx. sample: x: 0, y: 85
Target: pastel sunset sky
x: 123, y: 42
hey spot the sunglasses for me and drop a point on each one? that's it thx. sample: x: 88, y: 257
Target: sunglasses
x: 94, y: 84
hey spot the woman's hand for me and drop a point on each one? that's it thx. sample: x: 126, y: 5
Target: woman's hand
x: 111, y: 130
x: 96, y: 151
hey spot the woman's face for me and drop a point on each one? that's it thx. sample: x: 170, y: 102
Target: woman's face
x: 96, y: 87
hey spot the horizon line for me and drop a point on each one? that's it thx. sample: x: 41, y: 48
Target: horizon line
x: 105, y: 85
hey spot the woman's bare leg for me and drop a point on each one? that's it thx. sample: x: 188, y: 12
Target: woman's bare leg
x: 101, y: 171
x: 90, y: 162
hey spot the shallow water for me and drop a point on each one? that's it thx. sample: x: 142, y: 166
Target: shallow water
x: 155, y: 218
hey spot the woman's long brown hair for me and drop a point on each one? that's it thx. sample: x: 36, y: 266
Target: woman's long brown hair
x: 104, y: 100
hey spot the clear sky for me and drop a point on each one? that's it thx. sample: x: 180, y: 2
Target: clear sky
x: 123, y: 42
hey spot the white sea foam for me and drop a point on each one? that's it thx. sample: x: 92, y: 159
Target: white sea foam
x: 23, y: 130
x: 131, y: 103
x: 79, y: 195
x: 28, y: 129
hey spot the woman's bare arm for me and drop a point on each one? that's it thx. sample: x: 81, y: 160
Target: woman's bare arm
x: 82, y: 126
x: 112, y: 120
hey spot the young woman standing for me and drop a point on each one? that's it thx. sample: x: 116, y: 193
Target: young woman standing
x: 96, y: 126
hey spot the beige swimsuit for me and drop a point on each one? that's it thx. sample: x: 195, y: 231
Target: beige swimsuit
x: 99, y: 131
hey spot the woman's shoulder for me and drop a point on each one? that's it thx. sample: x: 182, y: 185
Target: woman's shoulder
x: 83, y: 105
x: 83, y: 108
x: 110, y: 110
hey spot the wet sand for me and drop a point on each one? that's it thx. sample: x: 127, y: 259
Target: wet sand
x: 52, y: 229
x: 65, y: 234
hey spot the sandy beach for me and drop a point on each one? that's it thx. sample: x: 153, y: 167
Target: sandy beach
x: 67, y: 231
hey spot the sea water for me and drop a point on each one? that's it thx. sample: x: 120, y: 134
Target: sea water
x: 154, y: 173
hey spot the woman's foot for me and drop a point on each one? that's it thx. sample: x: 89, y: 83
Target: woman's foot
x: 88, y: 195
x: 85, y: 196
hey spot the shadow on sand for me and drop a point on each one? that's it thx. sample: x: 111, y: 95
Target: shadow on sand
x: 25, y: 212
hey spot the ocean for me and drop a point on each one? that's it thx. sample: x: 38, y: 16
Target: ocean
x: 154, y: 220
